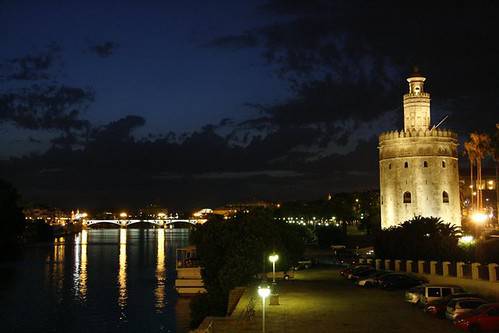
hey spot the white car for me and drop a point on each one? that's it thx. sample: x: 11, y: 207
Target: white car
x: 430, y: 292
x: 460, y: 306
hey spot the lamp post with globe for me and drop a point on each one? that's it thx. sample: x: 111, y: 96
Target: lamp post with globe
x: 263, y: 292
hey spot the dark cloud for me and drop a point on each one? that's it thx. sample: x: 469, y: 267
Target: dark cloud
x: 204, y: 169
x: 346, y: 61
x: 46, y: 107
x: 234, y: 42
x: 104, y: 50
x: 33, y: 140
x: 119, y: 130
x: 32, y: 67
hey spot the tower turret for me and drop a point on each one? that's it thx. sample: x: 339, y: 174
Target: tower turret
x: 416, y: 104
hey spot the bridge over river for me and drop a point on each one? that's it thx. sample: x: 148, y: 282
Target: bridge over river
x: 158, y: 222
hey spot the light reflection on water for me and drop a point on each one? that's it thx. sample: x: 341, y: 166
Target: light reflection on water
x: 159, y: 292
x: 122, y: 295
x: 80, y: 265
x: 108, y: 280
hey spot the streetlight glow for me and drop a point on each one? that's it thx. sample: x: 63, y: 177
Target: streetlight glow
x: 273, y: 258
x: 263, y: 292
x: 479, y: 217
x: 466, y: 240
x: 123, y: 215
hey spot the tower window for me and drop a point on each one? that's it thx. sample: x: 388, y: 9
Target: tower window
x: 406, y: 165
x: 445, y: 197
x: 443, y: 164
x: 425, y: 164
x: 407, y: 197
x: 389, y: 166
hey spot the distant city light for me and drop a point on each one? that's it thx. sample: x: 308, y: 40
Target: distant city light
x: 123, y: 215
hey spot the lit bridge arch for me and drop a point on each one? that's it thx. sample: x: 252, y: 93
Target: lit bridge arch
x: 159, y: 223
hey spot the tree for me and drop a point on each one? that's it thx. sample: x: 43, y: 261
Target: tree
x: 419, y: 238
x: 482, y: 146
x: 12, y: 221
x: 477, y: 149
x: 232, y: 252
x: 470, y: 151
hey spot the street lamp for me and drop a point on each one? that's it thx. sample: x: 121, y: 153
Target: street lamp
x: 263, y: 292
x: 479, y: 217
x: 273, y: 258
x: 123, y: 215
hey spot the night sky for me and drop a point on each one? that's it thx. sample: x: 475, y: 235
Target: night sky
x: 189, y: 104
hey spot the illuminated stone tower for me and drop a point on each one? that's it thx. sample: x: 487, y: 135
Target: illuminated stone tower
x: 418, y: 166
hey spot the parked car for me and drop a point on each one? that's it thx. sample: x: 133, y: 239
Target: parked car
x: 398, y: 281
x: 428, y: 293
x: 345, y: 272
x: 362, y: 274
x: 279, y: 275
x: 460, y: 306
x: 414, y: 294
x: 361, y: 271
x: 485, y: 318
x: 438, y: 307
x: 370, y: 280
x: 303, y: 263
x: 344, y: 256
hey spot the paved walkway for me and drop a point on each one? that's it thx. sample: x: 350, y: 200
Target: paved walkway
x: 322, y: 301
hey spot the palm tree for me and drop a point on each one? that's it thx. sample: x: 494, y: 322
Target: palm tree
x: 494, y: 151
x: 469, y: 150
x: 481, y: 143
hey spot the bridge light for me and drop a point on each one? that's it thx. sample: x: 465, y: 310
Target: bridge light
x: 161, y: 215
x: 123, y: 215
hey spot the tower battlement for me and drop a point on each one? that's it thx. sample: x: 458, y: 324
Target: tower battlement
x: 436, y: 132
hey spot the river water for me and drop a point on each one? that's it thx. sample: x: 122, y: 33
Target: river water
x: 105, y: 280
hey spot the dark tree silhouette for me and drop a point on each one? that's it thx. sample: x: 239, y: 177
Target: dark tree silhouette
x: 420, y: 238
x: 11, y: 216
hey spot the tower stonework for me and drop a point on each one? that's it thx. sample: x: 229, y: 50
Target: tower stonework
x: 418, y: 165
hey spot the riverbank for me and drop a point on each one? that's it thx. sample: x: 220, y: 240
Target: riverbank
x: 319, y: 300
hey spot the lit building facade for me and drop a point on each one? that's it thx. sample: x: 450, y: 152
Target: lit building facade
x: 418, y: 165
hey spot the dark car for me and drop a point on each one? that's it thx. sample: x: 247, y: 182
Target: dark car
x: 437, y: 308
x: 347, y: 271
x: 398, y: 281
x: 483, y: 319
x: 362, y: 274
x: 303, y: 263
x: 358, y: 270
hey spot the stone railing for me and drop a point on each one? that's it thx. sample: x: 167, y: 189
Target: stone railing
x: 460, y: 270
x: 482, y: 278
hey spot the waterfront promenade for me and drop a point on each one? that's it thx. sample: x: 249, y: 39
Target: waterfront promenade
x: 319, y: 300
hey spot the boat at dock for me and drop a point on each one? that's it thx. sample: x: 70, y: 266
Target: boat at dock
x: 189, y: 280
